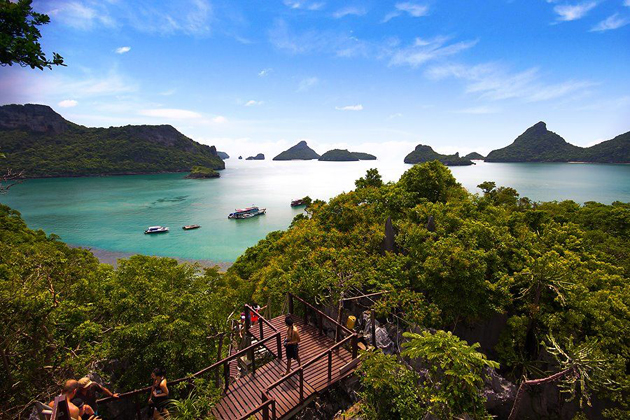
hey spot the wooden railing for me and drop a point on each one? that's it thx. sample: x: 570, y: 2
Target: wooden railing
x: 60, y: 410
x: 352, y: 338
x: 225, y: 362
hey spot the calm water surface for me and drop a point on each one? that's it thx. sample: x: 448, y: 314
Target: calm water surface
x: 111, y: 213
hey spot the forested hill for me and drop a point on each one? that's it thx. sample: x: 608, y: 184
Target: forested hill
x: 424, y: 153
x: 538, y: 144
x: 41, y: 143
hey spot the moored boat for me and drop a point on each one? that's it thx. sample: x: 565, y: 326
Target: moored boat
x: 156, y: 229
x: 247, y: 213
x: 298, y: 202
x: 191, y: 227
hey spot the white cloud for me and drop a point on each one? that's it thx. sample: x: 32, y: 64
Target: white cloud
x: 569, y: 12
x: 304, y: 4
x: 422, y: 51
x: 253, y: 103
x: 219, y: 119
x: 396, y: 115
x: 264, y: 72
x: 306, y: 84
x: 348, y: 11
x: 492, y: 82
x: 626, y: 3
x: 357, y: 107
x: 412, y: 9
x: 171, y: 113
x: 78, y: 15
x: 610, y: 23
x: 122, y: 50
x: 68, y: 103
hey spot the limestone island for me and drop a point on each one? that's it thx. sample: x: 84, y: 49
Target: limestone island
x: 223, y: 155
x: 202, y: 172
x: 259, y: 156
x: 537, y: 144
x: 300, y: 151
x: 339, y: 155
x: 423, y: 153
x: 474, y: 156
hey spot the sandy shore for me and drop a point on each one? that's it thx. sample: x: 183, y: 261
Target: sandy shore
x: 112, y: 257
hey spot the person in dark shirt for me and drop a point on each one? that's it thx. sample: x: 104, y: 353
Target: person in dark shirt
x: 88, y: 390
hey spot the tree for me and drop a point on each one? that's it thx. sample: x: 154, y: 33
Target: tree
x: 19, y: 36
x: 9, y: 178
x: 455, y: 373
x: 432, y: 181
x: 372, y: 179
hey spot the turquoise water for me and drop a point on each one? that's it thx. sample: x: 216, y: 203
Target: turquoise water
x: 111, y: 213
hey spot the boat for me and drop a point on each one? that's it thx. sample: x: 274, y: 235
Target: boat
x: 247, y: 213
x: 191, y: 227
x: 156, y: 229
x: 297, y: 203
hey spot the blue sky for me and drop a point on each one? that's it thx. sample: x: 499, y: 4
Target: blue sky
x: 370, y: 75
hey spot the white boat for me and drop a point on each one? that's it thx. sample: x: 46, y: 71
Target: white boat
x: 156, y: 229
x: 246, y: 213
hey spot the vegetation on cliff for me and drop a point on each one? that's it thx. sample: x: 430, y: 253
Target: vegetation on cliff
x: 300, y: 151
x: 538, y: 144
x: 556, y: 269
x: 202, y: 172
x: 39, y: 142
x: 422, y: 154
x: 474, y: 156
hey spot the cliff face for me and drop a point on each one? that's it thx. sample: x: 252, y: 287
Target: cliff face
x: 259, y: 156
x: 33, y: 118
x: 42, y: 143
x: 300, y: 151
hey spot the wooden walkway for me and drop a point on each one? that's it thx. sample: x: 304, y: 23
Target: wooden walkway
x: 267, y: 393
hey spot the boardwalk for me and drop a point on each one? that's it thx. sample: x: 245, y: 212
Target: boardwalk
x: 266, y: 392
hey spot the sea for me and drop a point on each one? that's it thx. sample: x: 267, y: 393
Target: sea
x: 109, y: 214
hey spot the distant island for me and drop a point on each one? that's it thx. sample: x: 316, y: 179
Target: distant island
x: 202, y: 172
x: 240, y: 157
x: 300, y: 151
x: 223, y: 155
x: 41, y: 143
x: 343, y: 155
x: 423, y: 153
x: 537, y: 144
x: 259, y: 156
x: 474, y: 156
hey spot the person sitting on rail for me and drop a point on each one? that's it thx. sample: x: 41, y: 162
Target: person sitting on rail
x: 158, y: 400
x: 69, y: 390
x: 291, y: 343
x: 87, y: 393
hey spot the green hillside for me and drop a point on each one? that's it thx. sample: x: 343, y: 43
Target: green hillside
x: 300, y: 151
x: 41, y: 143
x: 424, y: 153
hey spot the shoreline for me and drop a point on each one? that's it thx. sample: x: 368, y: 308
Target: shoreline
x: 112, y: 257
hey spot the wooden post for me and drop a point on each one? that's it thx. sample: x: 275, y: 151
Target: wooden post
x: 279, y: 345
x: 138, y: 411
x: 253, y: 357
x: 301, y: 384
x: 290, y: 303
x: 321, y: 323
x: 264, y: 399
x: 373, y: 320
x: 219, y: 350
x: 339, y: 315
x: 262, y: 334
x: 354, y: 346
x: 248, y: 319
x: 273, y: 408
x: 329, y: 366
x: 226, y: 375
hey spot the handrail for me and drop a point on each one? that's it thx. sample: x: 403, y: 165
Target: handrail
x: 194, y: 375
x: 325, y: 352
x: 346, y: 329
x: 259, y: 408
x: 269, y: 324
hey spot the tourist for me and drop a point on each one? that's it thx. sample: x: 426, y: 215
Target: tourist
x: 159, y: 395
x: 291, y: 343
x: 88, y: 390
x: 69, y: 390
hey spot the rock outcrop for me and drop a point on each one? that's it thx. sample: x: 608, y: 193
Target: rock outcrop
x: 300, y: 151
x: 259, y: 156
x: 423, y: 153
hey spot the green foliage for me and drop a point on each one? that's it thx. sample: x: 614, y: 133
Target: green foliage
x: 198, y: 172
x: 455, y: 373
x: 197, y: 404
x: 338, y: 155
x: 19, y: 36
x: 372, y: 179
x: 300, y: 151
x: 390, y: 390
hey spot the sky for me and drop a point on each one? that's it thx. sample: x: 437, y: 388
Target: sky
x: 369, y: 75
